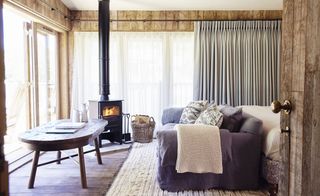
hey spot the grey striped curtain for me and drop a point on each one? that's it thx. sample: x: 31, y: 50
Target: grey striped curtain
x: 237, y: 62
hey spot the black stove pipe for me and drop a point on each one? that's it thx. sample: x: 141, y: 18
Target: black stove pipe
x: 104, y: 31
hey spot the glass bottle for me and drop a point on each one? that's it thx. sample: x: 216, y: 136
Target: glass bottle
x: 84, y: 113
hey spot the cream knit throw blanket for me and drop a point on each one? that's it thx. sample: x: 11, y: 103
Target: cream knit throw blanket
x: 199, y: 149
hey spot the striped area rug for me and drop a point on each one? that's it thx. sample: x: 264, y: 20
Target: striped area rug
x: 138, y: 177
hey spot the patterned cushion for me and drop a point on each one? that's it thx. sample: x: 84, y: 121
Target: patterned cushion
x: 211, y: 116
x: 192, y: 111
x: 232, y: 118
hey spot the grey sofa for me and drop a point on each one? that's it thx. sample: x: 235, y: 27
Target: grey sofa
x: 240, y: 156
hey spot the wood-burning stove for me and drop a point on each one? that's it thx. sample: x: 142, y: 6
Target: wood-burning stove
x: 111, y: 110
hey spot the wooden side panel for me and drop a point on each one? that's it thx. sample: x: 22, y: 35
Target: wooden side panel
x: 64, y: 98
x: 87, y: 20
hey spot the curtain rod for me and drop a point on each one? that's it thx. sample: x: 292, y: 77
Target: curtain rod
x: 171, y: 20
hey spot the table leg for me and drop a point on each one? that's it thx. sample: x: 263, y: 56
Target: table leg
x: 96, y: 144
x: 82, y: 168
x: 58, y: 156
x: 100, y: 141
x: 34, y: 168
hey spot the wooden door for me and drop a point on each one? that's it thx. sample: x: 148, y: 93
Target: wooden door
x: 300, y: 83
x: 285, y: 93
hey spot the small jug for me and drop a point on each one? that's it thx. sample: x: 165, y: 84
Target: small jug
x: 84, y: 113
x: 75, y: 115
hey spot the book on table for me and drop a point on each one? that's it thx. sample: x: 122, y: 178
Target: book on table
x: 66, y: 127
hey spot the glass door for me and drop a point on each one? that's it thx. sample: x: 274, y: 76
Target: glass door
x: 46, y: 74
x: 16, y: 74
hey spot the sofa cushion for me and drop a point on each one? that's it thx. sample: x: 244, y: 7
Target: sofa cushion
x: 210, y: 116
x: 171, y: 115
x: 232, y: 118
x: 251, y: 125
x: 192, y: 111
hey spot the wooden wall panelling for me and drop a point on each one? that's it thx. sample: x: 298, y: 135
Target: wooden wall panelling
x: 87, y: 20
x: 311, y: 121
x: 172, y: 25
x: 90, y: 25
x: 41, y: 9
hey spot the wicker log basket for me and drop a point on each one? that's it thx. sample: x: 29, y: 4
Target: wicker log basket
x: 142, y: 128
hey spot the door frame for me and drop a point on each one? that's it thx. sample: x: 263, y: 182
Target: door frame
x: 4, y: 176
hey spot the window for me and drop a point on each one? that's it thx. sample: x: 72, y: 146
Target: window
x: 149, y: 71
x: 30, y: 53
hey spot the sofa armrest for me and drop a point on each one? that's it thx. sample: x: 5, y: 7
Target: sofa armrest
x: 167, y: 147
x: 171, y: 115
x: 243, y: 151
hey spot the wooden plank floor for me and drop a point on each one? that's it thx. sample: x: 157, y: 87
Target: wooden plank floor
x: 64, y: 179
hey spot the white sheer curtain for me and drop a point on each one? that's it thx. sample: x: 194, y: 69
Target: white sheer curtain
x: 85, y: 77
x: 149, y: 71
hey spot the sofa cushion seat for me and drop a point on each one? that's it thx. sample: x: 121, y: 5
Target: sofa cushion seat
x: 167, y: 127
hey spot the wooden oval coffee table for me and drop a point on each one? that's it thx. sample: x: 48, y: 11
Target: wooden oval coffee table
x: 38, y: 139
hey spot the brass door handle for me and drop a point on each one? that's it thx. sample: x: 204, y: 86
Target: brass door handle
x: 277, y: 106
